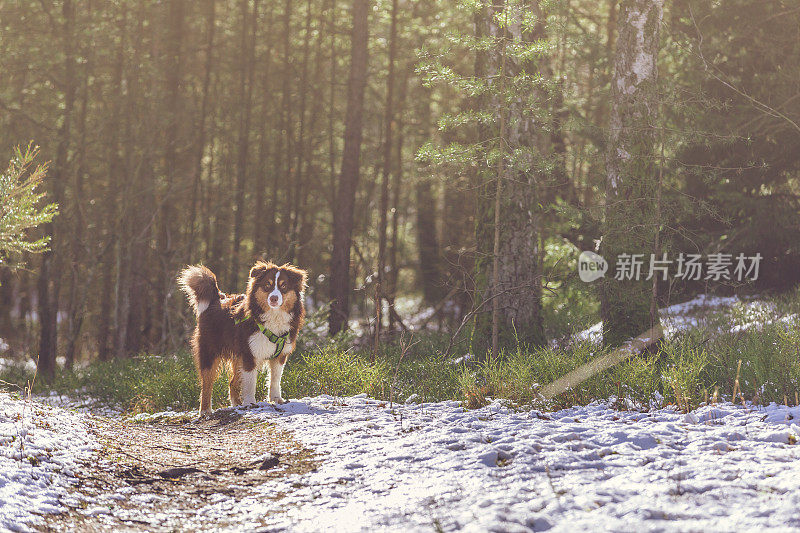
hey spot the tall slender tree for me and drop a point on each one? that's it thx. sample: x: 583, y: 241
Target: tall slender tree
x: 200, y: 148
x: 168, y: 234
x: 50, y: 272
x: 114, y: 168
x: 386, y: 170
x: 631, y: 176
x: 343, y: 209
x: 509, y: 227
x: 246, y: 68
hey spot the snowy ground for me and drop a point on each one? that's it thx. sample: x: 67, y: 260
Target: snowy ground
x: 440, y: 467
x: 40, y: 449
x: 739, y: 315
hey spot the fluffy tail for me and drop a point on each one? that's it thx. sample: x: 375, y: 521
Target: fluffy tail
x: 200, y: 286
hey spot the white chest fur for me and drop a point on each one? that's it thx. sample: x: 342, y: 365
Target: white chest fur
x: 275, y: 320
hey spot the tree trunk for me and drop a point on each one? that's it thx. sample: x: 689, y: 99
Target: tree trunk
x: 201, y: 134
x: 300, y: 161
x: 309, y: 216
x: 349, y: 175
x: 79, y: 249
x: 50, y: 272
x: 286, y: 148
x: 111, y: 217
x: 245, y: 98
x: 129, y: 206
x: 631, y: 179
x: 430, y: 270
x: 386, y: 171
x: 331, y: 104
x: 391, y: 290
x: 508, y: 225
x: 265, y: 220
x: 167, y: 236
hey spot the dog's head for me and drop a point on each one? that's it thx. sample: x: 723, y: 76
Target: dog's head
x: 276, y: 287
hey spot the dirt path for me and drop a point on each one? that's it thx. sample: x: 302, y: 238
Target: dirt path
x: 164, y: 476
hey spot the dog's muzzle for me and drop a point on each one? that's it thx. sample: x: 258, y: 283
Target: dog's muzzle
x: 275, y: 297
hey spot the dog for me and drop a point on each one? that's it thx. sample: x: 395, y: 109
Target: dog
x: 246, y: 331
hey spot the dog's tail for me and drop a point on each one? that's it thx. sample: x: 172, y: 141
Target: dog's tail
x: 200, y: 286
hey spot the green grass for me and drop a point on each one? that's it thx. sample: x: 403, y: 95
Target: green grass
x: 686, y: 371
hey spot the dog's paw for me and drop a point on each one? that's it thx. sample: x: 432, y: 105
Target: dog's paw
x: 278, y: 400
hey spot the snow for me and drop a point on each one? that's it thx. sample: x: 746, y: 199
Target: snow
x: 40, y: 449
x: 739, y: 316
x: 504, y: 470
x: 418, y: 467
x: 7, y: 364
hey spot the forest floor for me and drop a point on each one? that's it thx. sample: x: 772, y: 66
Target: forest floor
x: 358, y: 464
x: 162, y: 476
x: 127, y: 475
x: 355, y: 463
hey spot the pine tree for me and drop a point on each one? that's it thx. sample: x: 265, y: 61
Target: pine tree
x: 20, y: 210
x: 510, y: 159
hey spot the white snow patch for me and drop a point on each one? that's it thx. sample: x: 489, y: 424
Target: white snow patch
x: 40, y: 449
x: 27, y: 365
x: 421, y: 467
x: 741, y: 315
x: 418, y: 467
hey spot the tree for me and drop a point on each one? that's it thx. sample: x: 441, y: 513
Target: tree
x: 343, y: 209
x: 510, y: 160
x: 20, y: 210
x: 50, y: 273
x: 631, y: 178
x: 20, y: 213
x: 516, y: 273
x: 246, y: 67
x: 386, y: 170
x: 167, y: 239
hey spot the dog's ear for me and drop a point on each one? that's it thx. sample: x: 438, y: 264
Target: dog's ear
x: 258, y: 269
x: 297, y: 276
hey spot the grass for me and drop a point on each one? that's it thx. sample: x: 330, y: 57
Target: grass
x: 697, y: 365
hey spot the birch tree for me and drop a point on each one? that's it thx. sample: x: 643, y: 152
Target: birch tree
x: 631, y: 178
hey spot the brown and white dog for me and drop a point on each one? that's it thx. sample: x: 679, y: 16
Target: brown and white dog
x: 244, y: 330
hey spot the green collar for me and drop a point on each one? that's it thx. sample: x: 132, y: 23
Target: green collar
x: 278, y: 340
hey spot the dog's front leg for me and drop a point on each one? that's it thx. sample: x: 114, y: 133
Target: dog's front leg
x: 275, y: 373
x: 249, y: 386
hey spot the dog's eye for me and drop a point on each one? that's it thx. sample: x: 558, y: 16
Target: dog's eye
x: 282, y: 285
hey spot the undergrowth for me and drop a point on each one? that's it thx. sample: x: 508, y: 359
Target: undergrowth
x: 760, y: 364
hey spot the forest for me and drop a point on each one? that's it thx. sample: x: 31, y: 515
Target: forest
x: 506, y: 265
x: 435, y: 166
